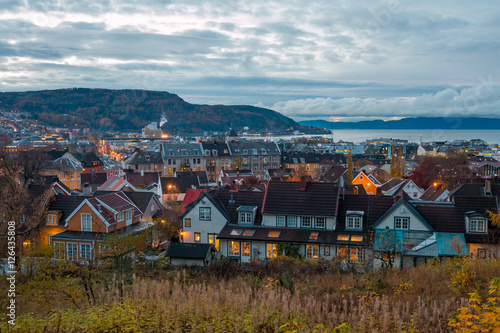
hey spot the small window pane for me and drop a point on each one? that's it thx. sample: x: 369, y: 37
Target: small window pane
x: 236, y: 232
x: 343, y: 237
x: 248, y: 232
x: 274, y: 234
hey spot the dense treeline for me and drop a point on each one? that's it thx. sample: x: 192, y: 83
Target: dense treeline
x: 104, y: 109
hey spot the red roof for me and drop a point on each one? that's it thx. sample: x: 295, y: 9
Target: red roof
x: 191, y: 196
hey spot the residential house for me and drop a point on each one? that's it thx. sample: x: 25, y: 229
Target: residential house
x: 369, y: 184
x: 90, y: 162
x: 191, y: 254
x: 396, y: 186
x: 174, y: 188
x: 143, y: 161
x: 182, y: 157
x: 435, y: 193
x: 217, y: 158
x: 257, y: 156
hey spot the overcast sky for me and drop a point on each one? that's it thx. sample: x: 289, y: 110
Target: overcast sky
x: 327, y: 59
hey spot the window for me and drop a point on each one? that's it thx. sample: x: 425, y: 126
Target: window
x: 280, y: 221
x: 353, y: 222
x: 86, y: 222
x: 320, y: 222
x: 342, y: 252
x: 72, y: 251
x: 128, y: 216
x: 205, y: 213
x: 235, y: 232
x: 306, y: 222
x: 51, y: 219
x: 343, y: 237
x: 356, y: 238
x: 401, y: 223
x: 233, y: 248
x: 274, y: 234
x: 327, y: 250
x: 476, y: 225
x: 357, y: 254
x: 59, y: 250
x: 152, y: 208
x: 187, y: 222
x: 212, y: 239
x: 292, y: 221
x: 197, y: 237
x: 271, y: 250
x: 481, y: 253
x: 245, y: 249
x: 314, y: 235
x: 119, y: 217
x: 245, y: 217
x: 312, y: 251
x: 85, y: 251
x: 248, y: 233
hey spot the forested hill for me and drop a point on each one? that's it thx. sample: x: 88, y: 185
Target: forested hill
x: 133, y: 109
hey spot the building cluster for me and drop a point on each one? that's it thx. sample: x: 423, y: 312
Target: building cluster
x: 255, y: 199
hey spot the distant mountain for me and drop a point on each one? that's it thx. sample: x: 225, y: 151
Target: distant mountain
x: 133, y: 109
x: 451, y: 123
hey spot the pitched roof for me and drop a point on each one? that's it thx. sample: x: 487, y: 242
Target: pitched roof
x: 372, y: 206
x: 474, y: 190
x: 93, y: 178
x: 433, y: 193
x: 89, y: 160
x: 301, y: 198
x: 334, y: 173
x: 137, y: 179
x: 179, y: 184
x: 202, y: 175
x: 230, y: 201
x: 391, y: 184
x: 189, y: 250
x: 140, y: 199
x: 143, y: 157
x: 65, y: 204
x: 191, y: 195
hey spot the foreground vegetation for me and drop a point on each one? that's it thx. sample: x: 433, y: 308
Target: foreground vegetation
x: 285, y: 295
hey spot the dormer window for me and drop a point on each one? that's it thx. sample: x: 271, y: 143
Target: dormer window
x: 477, y: 225
x: 246, y: 214
x: 254, y: 151
x: 207, y: 152
x: 245, y: 151
x: 214, y: 152
x: 354, y: 220
x: 51, y: 219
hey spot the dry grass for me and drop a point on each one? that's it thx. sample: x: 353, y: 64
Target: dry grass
x: 274, y: 298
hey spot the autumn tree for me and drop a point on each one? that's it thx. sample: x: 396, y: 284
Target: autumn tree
x: 426, y: 173
x: 397, y: 162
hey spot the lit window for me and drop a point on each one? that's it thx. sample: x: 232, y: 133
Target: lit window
x: 197, y: 237
x: 248, y: 233
x: 236, y: 232
x: 212, y: 239
x: 320, y: 222
x: 343, y: 237
x: 313, y: 235
x: 280, y: 221
x: 401, y: 223
x: 51, y: 218
x: 245, y: 249
x: 187, y: 222
x: 233, y: 248
x: 271, y: 250
x: 205, y: 213
x: 477, y: 226
x: 356, y: 238
x: 327, y: 250
x: 312, y: 251
x: 306, y: 222
x: 353, y: 222
x: 86, y: 220
x: 357, y: 254
x: 274, y: 234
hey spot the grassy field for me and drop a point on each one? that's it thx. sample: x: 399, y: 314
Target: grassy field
x: 285, y: 295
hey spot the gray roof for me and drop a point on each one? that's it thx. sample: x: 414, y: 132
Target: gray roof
x: 189, y: 250
x: 181, y: 149
x: 142, y: 157
x: 244, y: 147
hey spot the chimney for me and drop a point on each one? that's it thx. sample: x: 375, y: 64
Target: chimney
x: 99, y: 208
x: 303, y: 184
x: 86, y: 189
x: 487, y: 187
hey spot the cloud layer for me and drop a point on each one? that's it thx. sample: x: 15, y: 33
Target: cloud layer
x: 318, y: 59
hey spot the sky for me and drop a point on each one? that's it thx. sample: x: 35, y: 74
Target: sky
x: 325, y: 59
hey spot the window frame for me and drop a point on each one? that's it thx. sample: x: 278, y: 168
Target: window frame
x: 281, y: 221
x: 232, y: 250
x: 205, y: 215
x: 271, y: 250
x: 245, y: 249
x: 84, y: 254
x: 197, y: 237
x: 310, y: 222
x: 402, y: 220
x: 352, y: 221
x: 312, y: 251
x: 84, y: 223
x: 74, y: 254
x: 187, y: 223
x: 316, y: 222
x: 478, y: 222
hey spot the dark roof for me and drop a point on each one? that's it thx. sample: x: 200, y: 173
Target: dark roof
x: 333, y: 174
x: 136, y: 179
x: 372, y: 206
x: 88, y: 160
x: 301, y: 198
x: 66, y: 204
x: 202, y: 175
x: 221, y: 148
x: 189, y: 250
x: 288, y: 235
x: 229, y: 201
x: 349, y: 189
x: 144, y: 157
x: 391, y: 184
x: 432, y: 193
x: 474, y: 190
x: 179, y: 184
x: 93, y: 178
x: 55, y: 154
x: 140, y: 199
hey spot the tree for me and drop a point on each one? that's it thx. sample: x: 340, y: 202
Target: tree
x: 237, y: 163
x: 350, y: 176
x: 397, y: 162
x: 386, y: 247
x: 426, y: 173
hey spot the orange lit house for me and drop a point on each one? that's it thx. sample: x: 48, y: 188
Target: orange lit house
x: 370, y: 184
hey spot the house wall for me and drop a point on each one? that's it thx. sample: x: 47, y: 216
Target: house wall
x: 47, y: 231
x: 204, y: 227
x: 75, y: 222
x: 492, y: 250
x: 269, y: 220
x: 370, y: 188
x: 412, y: 190
x: 187, y: 262
x: 402, y: 211
x: 151, y: 210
